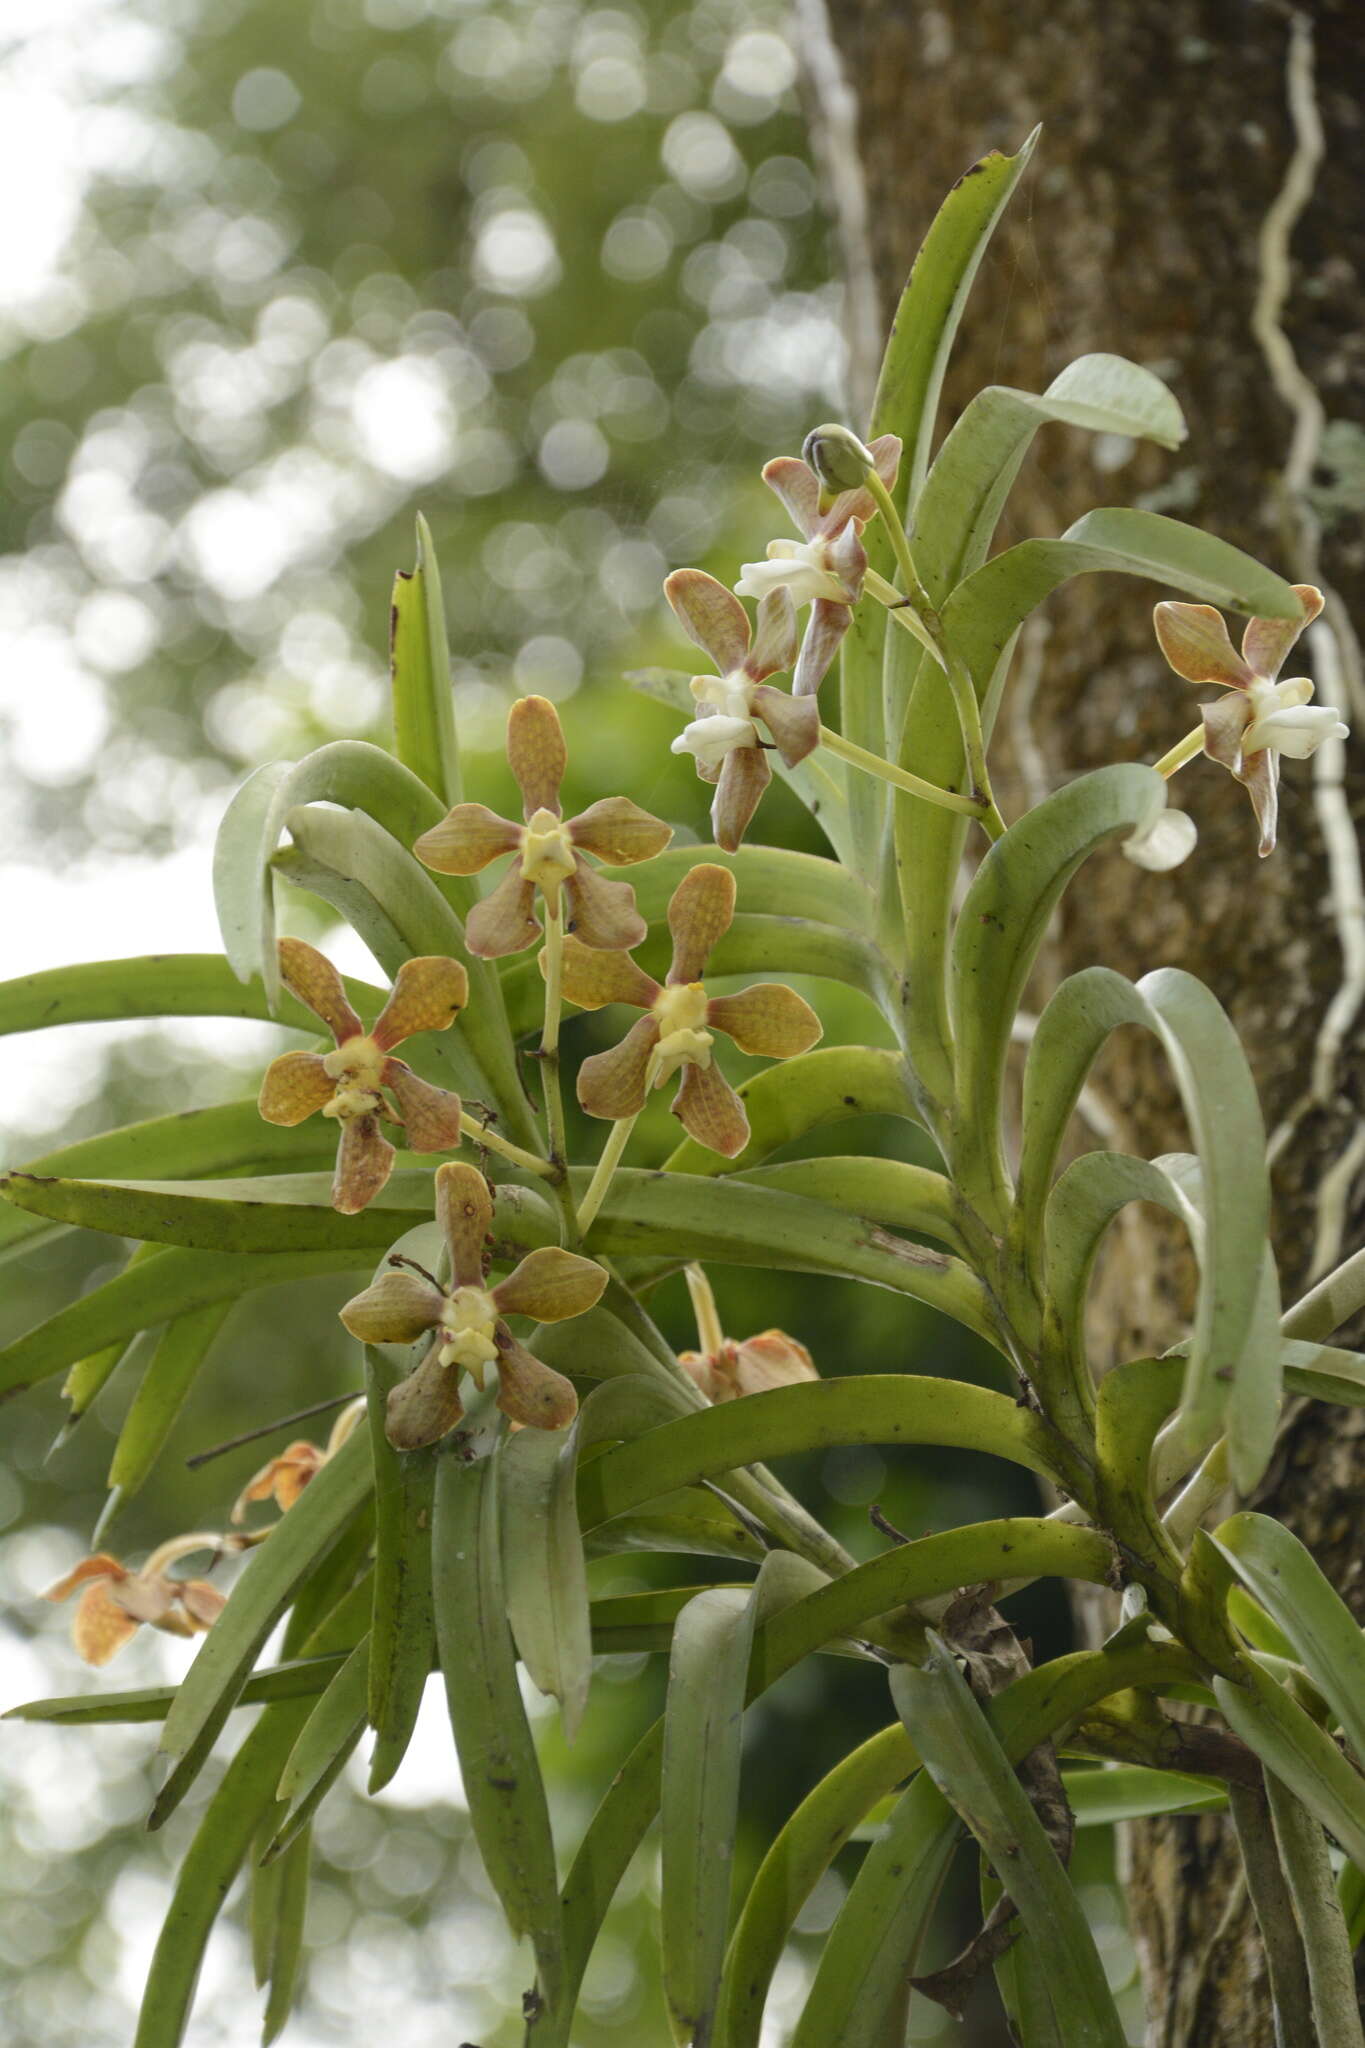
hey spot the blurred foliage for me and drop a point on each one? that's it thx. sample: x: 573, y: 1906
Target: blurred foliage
x: 556, y: 273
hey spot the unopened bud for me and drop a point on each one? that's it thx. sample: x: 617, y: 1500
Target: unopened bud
x: 838, y: 457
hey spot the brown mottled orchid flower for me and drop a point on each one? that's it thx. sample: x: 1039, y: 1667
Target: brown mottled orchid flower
x: 283, y: 1480
x: 349, y: 1083
x: 826, y: 567
x: 467, y: 1323
x: 1258, y: 719
x: 550, y: 849
x: 732, y: 704
x: 116, y: 1602
x: 676, y: 1031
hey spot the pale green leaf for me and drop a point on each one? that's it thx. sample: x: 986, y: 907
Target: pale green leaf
x: 544, y: 1574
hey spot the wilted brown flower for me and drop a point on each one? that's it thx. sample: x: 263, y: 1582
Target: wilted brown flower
x: 428, y: 995
x: 116, y: 1602
x: 733, y: 703
x: 551, y: 848
x: 284, y: 1478
x: 1258, y: 719
x: 466, y: 1319
x: 676, y: 1032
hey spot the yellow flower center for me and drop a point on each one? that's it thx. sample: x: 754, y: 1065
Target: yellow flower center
x: 547, y: 854
x: 357, y: 1067
x: 680, y: 1011
x: 467, y: 1321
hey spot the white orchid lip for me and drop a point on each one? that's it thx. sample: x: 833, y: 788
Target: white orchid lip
x: 711, y: 739
x: 1163, y: 844
x: 1294, y: 729
x: 800, y: 566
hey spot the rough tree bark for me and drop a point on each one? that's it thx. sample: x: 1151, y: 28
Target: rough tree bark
x: 1194, y: 205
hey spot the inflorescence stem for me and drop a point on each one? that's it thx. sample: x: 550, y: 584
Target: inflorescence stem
x: 617, y: 1140
x: 873, y: 764
x: 492, y: 1141
x: 1183, y: 751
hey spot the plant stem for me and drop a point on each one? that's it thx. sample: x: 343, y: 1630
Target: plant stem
x: 604, y: 1171
x: 1183, y: 751
x: 959, y: 681
x: 872, y: 764
x: 485, y: 1136
x: 710, y: 1335
x: 549, y: 1064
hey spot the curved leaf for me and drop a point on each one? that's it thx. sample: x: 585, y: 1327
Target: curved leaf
x: 965, y: 1758
x: 498, y: 1764
x: 402, y: 1643
x: 279, y: 1906
x: 1291, y: 1744
x: 324, y: 1744
x: 180, y: 1352
x: 152, y: 985
x: 425, y: 737
x: 891, y: 1192
x: 544, y: 1574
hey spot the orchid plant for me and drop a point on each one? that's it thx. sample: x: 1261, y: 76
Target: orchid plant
x: 456, y: 1530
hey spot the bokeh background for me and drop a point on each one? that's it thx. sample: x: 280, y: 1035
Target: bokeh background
x: 277, y: 274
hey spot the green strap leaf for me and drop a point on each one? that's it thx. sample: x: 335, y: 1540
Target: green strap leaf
x: 964, y: 1756
x: 181, y: 1350
x: 403, y: 1629
x: 299, y: 1678
x: 271, y: 1577
x: 770, y: 879
x: 1307, y: 1867
x: 965, y: 491
x: 860, y: 1984
x: 1335, y: 1299
x: 1120, y: 1792
x: 279, y: 1905
x: 425, y: 737
x: 888, y: 1191
x: 1291, y: 1744
x: 155, y: 985
x: 324, y: 1743
x: 1004, y: 917
x: 787, y: 1100
x: 863, y: 1409
x: 544, y: 1573
x: 498, y: 1764
x: 1324, y: 1373
x: 699, y: 1798
x: 1273, y: 1565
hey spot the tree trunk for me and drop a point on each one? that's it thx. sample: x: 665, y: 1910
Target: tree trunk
x: 1194, y: 205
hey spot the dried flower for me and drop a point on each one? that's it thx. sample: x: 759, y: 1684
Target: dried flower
x: 285, y: 1477
x: 551, y: 848
x: 466, y: 1319
x: 1259, y: 718
x: 428, y: 995
x: 676, y: 1033
x: 117, y: 1602
x: 824, y: 569
x: 733, y: 703
x: 772, y: 1359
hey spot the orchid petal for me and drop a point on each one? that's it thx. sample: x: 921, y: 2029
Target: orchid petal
x: 593, y: 978
x: 282, y: 1480
x: 428, y: 995
x: 617, y: 831
x: 394, y: 1309
x: 318, y: 986
x: 709, y: 1110
x: 294, y: 1087
x: 794, y: 722
x: 431, y: 1116
x: 743, y: 779
x: 464, y: 1210
x: 531, y: 1392
x: 1266, y: 642
x: 100, y: 1566
x: 466, y: 840
x: 1260, y: 777
x: 364, y: 1162
x: 425, y: 1406
x: 536, y: 753
x: 1225, y: 722
x: 612, y: 1084
x: 699, y: 915
x: 1294, y: 729
x: 1194, y: 640
x: 768, y: 1019
x: 825, y: 628
x: 203, y: 1603
x: 797, y: 485
x: 602, y: 914
x: 101, y: 1626
x: 774, y: 645
x: 503, y: 923
x: 772, y: 1359
x: 551, y: 1285
x: 710, y: 616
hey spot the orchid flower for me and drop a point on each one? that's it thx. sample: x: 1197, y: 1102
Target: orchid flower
x: 284, y: 1478
x: 348, y: 1084
x: 1259, y: 718
x: 722, y: 1369
x: 825, y: 568
x: 116, y: 1603
x: 467, y: 1323
x: 675, y: 1034
x: 551, y: 848
x: 733, y: 703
